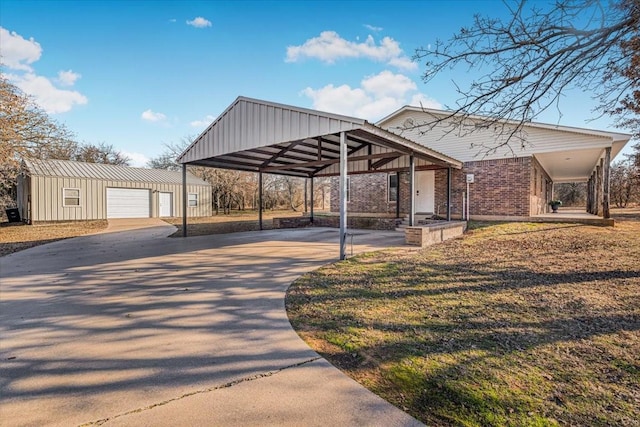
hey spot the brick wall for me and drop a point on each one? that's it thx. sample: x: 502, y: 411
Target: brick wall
x: 368, y: 193
x: 541, y: 186
x: 367, y: 223
x: 502, y: 187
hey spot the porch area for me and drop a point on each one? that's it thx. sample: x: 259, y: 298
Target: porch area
x: 573, y: 215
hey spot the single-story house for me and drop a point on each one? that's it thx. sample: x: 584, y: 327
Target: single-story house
x: 62, y: 190
x: 398, y: 167
x: 514, y: 180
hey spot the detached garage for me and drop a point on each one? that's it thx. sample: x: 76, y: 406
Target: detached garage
x: 61, y: 190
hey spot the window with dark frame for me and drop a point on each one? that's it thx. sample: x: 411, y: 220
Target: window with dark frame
x: 71, y: 197
x: 193, y: 200
x: 392, y: 187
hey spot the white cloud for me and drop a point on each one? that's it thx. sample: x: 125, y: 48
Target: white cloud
x: 50, y: 98
x: 152, y: 116
x: 202, y: 123
x: 173, y: 20
x: 18, y: 53
x: 138, y: 160
x: 422, y: 100
x: 377, y: 96
x: 386, y: 83
x: 329, y: 47
x: 372, y: 28
x: 199, y: 22
x: 68, y: 78
x: 340, y: 100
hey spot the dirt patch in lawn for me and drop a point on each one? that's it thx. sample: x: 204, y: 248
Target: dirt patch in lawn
x: 233, y: 223
x: 514, y: 324
x: 14, y: 238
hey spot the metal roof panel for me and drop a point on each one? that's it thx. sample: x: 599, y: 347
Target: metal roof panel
x: 72, y: 169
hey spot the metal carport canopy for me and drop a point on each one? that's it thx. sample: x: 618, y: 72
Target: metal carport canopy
x: 260, y: 136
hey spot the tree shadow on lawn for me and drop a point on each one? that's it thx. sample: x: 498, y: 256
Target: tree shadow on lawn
x: 457, y: 344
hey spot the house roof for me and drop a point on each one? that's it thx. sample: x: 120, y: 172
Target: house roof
x: 614, y: 136
x: 256, y: 135
x: 72, y: 169
x: 568, y: 154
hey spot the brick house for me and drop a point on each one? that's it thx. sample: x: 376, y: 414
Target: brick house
x: 508, y: 182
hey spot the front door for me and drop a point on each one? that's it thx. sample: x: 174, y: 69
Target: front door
x: 425, y: 191
x: 164, y: 202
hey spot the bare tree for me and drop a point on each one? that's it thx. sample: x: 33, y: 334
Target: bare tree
x: 621, y: 183
x: 571, y: 193
x: 100, y: 153
x: 527, y: 62
x: 26, y: 131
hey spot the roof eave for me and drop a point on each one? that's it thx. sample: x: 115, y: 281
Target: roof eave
x: 415, y: 147
x: 614, y: 136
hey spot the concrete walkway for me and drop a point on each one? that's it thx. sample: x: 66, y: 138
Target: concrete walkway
x: 132, y: 328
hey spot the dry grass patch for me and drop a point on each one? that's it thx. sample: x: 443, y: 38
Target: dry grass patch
x: 514, y: 324
x: 232, y: 223
x: 14, y: 238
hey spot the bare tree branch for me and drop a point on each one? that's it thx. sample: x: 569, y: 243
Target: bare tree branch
x: 530, y: 61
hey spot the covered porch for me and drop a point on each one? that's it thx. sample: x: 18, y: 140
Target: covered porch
x: 573, y: 215
x: 591, y: 166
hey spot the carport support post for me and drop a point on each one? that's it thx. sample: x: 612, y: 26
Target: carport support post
x: 306, y: 196
x: 184, y: 200
x: 260, y: 199
x: 412, y: 196
x: 343, y: 195
x: 448, y: 194
x: 312, y: 200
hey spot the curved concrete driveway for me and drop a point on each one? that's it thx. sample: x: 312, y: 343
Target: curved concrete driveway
x: 133, y: 328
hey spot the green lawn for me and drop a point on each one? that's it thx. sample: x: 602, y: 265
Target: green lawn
x: 515, y: 324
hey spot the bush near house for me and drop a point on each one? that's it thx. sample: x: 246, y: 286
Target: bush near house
x: 514, y: 324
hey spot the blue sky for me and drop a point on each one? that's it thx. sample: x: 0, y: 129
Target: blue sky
x: 141, y: 74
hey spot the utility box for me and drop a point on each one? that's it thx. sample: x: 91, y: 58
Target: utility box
x: 13, y: 215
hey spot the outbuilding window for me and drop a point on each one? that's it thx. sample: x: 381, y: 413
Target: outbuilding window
x: 193, y: 200
x: 71, y: 197
x: 392, y: 187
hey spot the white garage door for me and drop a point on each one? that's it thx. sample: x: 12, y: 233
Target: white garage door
x: 128, y: 203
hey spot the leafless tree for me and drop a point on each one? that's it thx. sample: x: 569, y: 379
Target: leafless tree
x: 571, y: 193
x: 622, y: 184
x: 236, y: 189
x: 100, y: 153
x: 26, y: 131
x: 527, y: 62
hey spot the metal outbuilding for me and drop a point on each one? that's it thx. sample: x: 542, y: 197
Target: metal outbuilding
x: 62, y: 190
x: 266, y: 137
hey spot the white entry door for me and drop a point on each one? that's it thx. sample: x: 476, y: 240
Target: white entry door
x: 425, y: 191
x: 165, y: 204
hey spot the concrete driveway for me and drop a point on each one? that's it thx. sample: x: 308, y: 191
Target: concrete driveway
x: 132, y: 328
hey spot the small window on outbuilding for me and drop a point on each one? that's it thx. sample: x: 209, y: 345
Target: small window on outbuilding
x: 71, y: 197
x: 193, y: 200
x: 392, y: 187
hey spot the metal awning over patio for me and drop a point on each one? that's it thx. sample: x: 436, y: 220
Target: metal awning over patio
x: 261, y: 136
x: 265, y: 137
